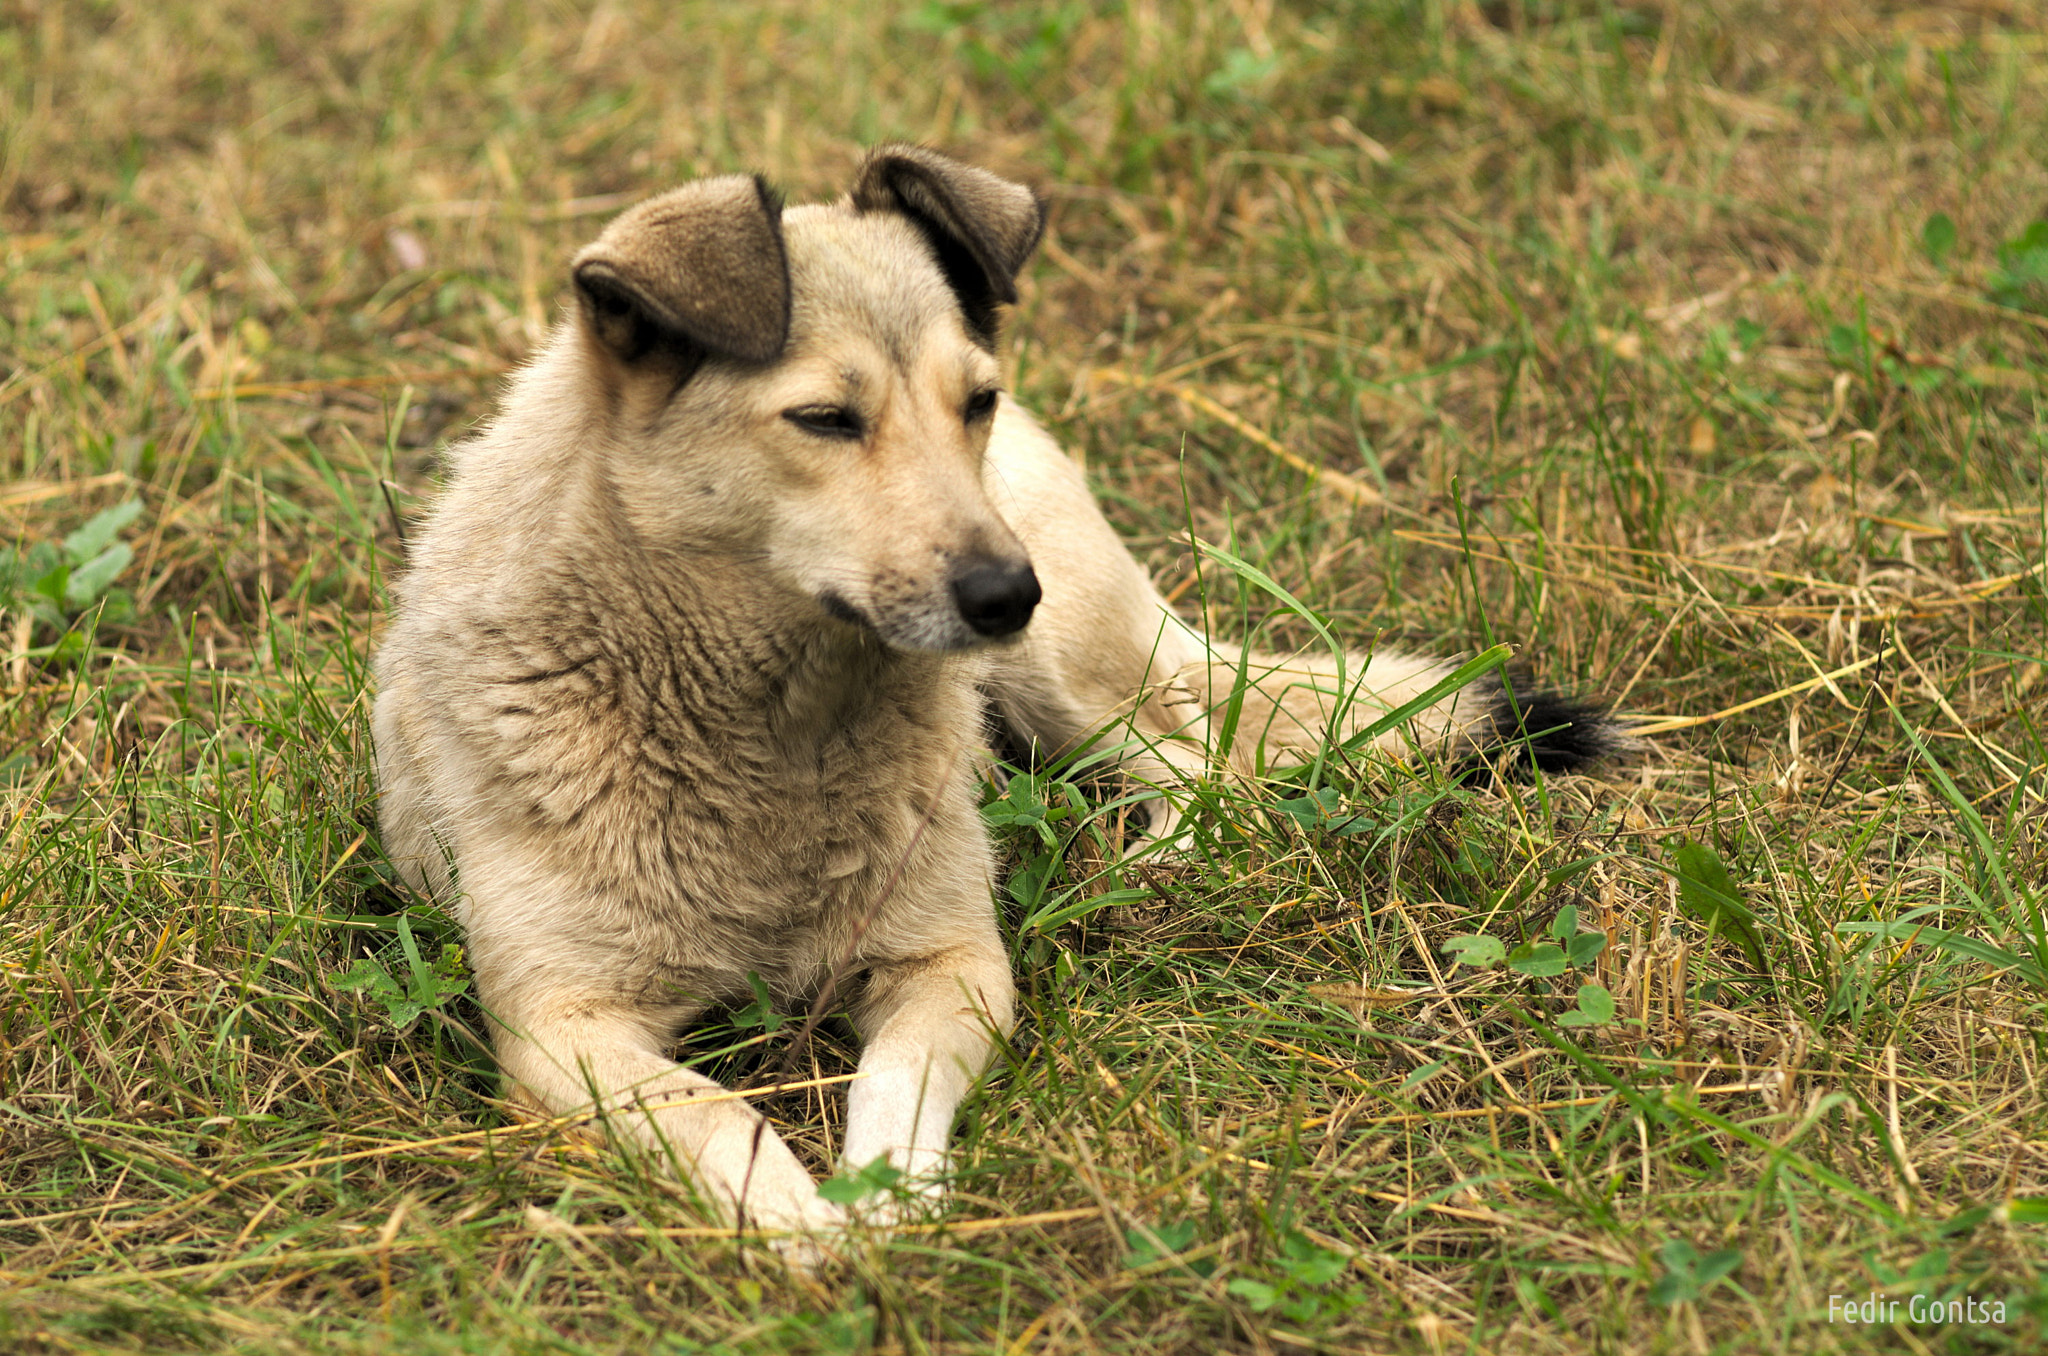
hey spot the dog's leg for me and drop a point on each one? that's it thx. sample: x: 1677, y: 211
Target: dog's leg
x: 725, y: 1147
x: 1105, y: 655
x: 927, y: 1024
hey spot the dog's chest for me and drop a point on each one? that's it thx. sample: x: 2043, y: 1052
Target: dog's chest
x: 780, y: 861
x: 736, y: 827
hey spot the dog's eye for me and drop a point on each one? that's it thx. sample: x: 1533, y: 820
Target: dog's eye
x: 826, y: 421
x: 980, y: 405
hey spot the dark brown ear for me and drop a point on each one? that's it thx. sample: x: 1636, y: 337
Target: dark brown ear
x: 696, y: 271
x: 982, y: 227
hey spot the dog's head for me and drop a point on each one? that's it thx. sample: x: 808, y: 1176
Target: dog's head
x: 814, y: 390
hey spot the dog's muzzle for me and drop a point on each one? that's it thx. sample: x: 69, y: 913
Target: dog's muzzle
x: 995, y: 598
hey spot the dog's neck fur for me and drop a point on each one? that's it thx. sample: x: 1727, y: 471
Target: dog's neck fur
x: 702, y: 634
x: 750, y: 656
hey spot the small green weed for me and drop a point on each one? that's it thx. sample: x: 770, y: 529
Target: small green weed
x: 848, y: 1188
x: 2021, y: 278
x: 404, y: 982
x: 1298, y: 1283
x: 1689, y: 1274
x: 57, y: 582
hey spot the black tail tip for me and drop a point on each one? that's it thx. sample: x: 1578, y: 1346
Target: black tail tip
x: 1541, y: 728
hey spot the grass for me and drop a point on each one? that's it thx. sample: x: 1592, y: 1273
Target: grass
x: 1698, y: 350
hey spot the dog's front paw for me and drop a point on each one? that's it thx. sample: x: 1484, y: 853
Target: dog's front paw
x: 810, y: 1252
x: 905, y: 1187
x: 911, y: 1200
x: 806, y: 1233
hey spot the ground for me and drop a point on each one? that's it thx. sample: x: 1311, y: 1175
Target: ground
x: 1696, y: 351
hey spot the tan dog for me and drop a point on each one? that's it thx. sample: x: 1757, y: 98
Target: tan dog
x: 692, y: 664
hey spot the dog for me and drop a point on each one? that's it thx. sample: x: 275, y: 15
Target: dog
x: 691, y: 667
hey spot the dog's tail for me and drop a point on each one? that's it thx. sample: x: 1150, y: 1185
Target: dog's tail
x: 1210, y: 707
x: 1108, y: 672
x: 1272, y: 710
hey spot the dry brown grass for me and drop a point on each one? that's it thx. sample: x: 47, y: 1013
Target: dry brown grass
x: 1614, y: 334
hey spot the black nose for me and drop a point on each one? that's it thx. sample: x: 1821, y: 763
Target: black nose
x: 994, y: 598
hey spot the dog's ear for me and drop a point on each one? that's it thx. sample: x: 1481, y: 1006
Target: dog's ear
x: 696, y: 271
x: 982, y: 227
